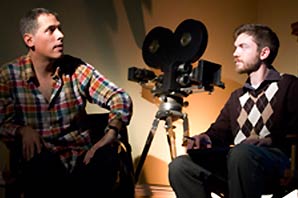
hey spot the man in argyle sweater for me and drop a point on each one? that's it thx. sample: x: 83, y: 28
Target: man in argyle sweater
x: 254, y: 120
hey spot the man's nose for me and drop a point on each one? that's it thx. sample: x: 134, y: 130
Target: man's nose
x: 60, y: 34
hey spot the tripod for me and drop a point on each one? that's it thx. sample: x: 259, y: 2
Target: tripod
x: 170, y: 110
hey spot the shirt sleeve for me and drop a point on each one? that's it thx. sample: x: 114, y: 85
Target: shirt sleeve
x: 7, y: 126
x: 100, y: 90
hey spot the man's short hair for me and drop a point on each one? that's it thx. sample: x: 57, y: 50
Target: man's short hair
x: 263, y: 36
x: 28, y: 23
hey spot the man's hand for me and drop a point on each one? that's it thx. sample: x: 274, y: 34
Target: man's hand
x: 31, y: 142
x: 267, y: 141
x: 109, y: 138
x: 199, y: 141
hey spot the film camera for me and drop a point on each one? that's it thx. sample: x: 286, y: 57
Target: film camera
x: 174, y: 53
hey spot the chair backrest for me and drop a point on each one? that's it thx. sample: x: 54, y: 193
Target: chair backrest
x: 97, y: 123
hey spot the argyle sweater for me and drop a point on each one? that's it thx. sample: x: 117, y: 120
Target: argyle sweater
x: 270, y: 110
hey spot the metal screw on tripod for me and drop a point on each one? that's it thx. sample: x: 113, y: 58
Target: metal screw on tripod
x: 185, y: 104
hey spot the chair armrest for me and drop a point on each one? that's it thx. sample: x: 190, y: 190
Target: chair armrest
x: 292, y: 138
x: 291, y: 174
x: 6, y: 176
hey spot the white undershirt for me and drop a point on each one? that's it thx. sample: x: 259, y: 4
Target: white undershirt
x: 255, y: 86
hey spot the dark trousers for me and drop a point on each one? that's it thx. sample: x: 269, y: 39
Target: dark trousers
x: 247, y: 171
x: 45, y: 176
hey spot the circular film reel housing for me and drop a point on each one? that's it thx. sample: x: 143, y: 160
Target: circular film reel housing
x: 191, y: 38
x: 157, y: 50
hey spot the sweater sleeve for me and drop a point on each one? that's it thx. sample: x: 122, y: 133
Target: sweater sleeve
x: 286, y: 116
x: 220, y: 131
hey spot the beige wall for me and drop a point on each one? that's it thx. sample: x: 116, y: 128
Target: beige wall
x: 109, y: 35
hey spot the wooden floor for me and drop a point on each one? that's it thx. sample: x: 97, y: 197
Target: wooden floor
x: 153, y: 191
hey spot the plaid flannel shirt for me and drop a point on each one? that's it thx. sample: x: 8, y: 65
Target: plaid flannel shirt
x: 22, y: 104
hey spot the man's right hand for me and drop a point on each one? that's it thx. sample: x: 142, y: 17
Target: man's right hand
x: 199, y: 141
x: 31, y: 142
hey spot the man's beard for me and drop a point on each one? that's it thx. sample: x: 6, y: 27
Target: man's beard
x: 249, y: 67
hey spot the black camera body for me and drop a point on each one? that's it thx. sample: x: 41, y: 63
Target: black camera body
x: 174, y: 54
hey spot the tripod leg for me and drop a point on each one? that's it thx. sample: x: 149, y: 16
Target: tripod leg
x: 146, y: 149
x: 171, y: 137
x: 185, y: 130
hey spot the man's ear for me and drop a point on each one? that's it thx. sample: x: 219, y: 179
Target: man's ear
x: 28, y: 39
x: 264, y: 53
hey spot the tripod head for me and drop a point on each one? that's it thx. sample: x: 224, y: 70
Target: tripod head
x: 171, y: 105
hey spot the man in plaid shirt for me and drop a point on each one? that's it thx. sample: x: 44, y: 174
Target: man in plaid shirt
x: 43, y: 96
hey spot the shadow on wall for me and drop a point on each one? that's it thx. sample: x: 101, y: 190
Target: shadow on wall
x: 103, y: 14
x: 97, y: 18
x: 152, y: 165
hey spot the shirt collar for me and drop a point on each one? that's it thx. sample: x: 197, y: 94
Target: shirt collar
x: 29, y: 73
x: 273, y: 75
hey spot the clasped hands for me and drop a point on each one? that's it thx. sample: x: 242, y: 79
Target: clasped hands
x: 203, y: 141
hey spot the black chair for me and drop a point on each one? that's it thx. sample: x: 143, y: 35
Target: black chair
x: 290, y: 180
x: 124, y: 186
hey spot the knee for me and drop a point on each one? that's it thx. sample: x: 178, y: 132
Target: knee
x: 240, y: 154
x: 177, y: 166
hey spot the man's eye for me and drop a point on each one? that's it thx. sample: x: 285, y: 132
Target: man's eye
x: 51, y: 29
x: 245, y: 46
